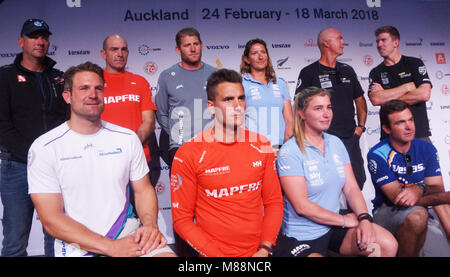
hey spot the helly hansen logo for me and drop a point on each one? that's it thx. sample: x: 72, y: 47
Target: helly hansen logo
x: 257, y: 164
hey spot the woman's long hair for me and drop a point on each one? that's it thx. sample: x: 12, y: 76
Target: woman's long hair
x: 245, y: 67
x: 301, y: 103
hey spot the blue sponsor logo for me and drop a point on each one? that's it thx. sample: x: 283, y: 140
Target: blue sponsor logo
x: 115, y: 152
x: 371, y: 130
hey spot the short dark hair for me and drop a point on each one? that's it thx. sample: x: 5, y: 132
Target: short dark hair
x: 391, y: 30
x: 87, y: 66
x: 218, y: 77
x: 189, y: 31
x: 391, y: 107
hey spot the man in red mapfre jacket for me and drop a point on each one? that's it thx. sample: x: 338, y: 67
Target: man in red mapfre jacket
x: 225, y: 177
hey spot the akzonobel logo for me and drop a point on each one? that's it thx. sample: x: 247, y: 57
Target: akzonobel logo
x: 73, y: 3
x: 373, y: 3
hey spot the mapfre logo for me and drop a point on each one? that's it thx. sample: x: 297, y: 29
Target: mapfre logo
x: 368, y: 60
x: 373, y: 3
x: 73, y: 3
x: 218, y: 170
x: 440, y: 58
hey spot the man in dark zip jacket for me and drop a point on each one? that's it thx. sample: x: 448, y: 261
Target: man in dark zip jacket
x: 31, y: 104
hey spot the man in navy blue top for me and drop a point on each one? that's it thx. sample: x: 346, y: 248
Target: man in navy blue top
x: 407, y: 178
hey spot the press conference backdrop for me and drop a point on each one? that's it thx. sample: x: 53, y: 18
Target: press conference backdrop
x: 289, y: 27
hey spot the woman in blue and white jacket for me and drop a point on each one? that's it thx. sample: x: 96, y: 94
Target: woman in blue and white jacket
x: 268, y: 102
x: 314, y: 169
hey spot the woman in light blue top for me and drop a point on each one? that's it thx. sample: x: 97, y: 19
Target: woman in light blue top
x: 314, y: 168
x: 269, y: 110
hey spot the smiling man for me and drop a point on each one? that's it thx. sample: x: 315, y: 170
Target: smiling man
x: 400, y: 77
x: 80, y: 173
x: 407, y: 178
x: 31, y: 104
x: 225, y: 178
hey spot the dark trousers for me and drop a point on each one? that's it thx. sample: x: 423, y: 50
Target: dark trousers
x: 356, y: 159
x: 18, y: 210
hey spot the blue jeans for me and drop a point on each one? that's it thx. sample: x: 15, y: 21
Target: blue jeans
x: 18, y: 211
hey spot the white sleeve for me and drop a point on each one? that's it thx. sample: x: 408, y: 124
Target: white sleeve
x: 139, y: 166
x: 42, y: 177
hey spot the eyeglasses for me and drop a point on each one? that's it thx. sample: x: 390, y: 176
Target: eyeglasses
x: 409, y: 168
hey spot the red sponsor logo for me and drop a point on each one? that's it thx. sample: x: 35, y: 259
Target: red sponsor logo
x: 150, y: 68
x: 440, y: 58
x: 310, y: 43
x: 444, y: 89
x: 21, y: 79
x: 159, y: 188
x: 368, y: 60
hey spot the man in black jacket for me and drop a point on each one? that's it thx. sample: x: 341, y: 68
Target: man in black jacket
x: 31, y: 104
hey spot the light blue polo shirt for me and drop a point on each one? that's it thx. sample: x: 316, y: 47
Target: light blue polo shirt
x: 264, y: 108
x: 325, y: 178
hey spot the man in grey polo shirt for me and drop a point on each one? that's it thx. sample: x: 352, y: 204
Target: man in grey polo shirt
x: 181, y: 97
x: 181, y: 102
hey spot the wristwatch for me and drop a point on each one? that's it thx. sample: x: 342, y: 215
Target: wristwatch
x: 422, y: 186
x: 365, y: 216
x: 363, y: 128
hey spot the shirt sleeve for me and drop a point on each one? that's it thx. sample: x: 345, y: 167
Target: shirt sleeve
x: 147, y: 102
x: 303, y: 81
x: 343, y: 153
x: 183, y: 183
x: 289, y: 161
x: 432, y: 167
x: 419, y: 72
x: 379, y: 170
x: 162, y: 103
x: 272, y: 201
x: 41, y: 174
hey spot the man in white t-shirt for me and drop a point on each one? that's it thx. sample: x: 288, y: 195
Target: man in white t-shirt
x: 79, y: 175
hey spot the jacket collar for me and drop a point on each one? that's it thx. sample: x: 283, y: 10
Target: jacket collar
x: 48, y: 62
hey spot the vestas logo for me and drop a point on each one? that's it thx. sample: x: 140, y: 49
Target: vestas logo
x: 281, y: 45
x: 73, y: 3
x: 217, y: 47
x: 373, y: 3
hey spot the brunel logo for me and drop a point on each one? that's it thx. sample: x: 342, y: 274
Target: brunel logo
x: 73, y: 3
